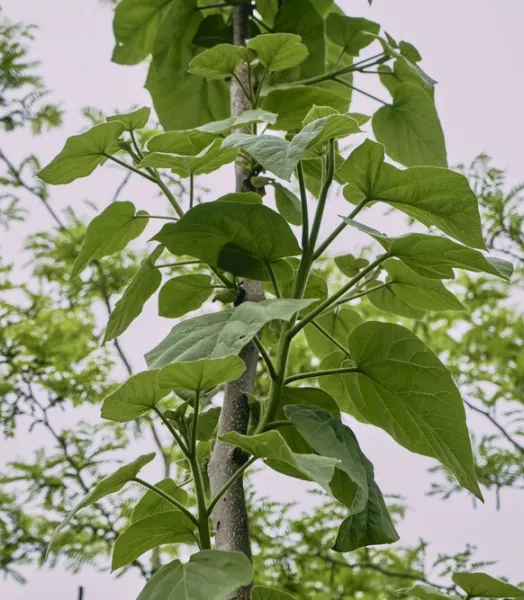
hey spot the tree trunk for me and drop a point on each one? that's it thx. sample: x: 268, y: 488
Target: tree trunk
x: 230, y: 514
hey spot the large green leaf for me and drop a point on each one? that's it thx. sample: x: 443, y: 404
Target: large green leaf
x: 260, y: 592
x: 435, y: 257
x: 278, y: 51
x: 108, y: 485
x: 151, y: 503
x: 83, y: 153
x: 481, y: 585
x: 339, y: 323
x: 217, y: 335
x: 144, y: 284
x: 337, y: 386
x: 172, y: 527
x: 133, y: 120
x: 302, y: 18
x: 219, y: 62
x: 209, y: 575
x: 293, y: 104
x: 135, y: 26
x: 369, y: 521
x: 237, y: 237
x: 272, y: 447
x: 410, y: 128
x: 208, y: 160
x: 109, y: 233
x: 134, y: 398
x: 201, y: 374
x: 402, y: 387
x: 351, y: 33
x: 415, y: 291
x: 436, y: 197
x: 183, y: 294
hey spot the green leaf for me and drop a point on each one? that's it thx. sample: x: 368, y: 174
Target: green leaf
x: 271, y: 446
x: 237, y: 237
x: 219, y: 62
x: 481, y: 585
x: 350, y: 33
x: 288, y: 205
x: 416, y: 291
x: 213, y: 30
x: 426, y: 592
x: 151, y: 503
x: 279, y: 51
x: 267, y: 10
x: 403, y: 73
x: 335, y: 126
x: 207, y: 424
x: 133, y: 120
x: 246, y: 118
x: 387, y: 300
x: 350, y: 265
x: 369, y: 521
x: 316, y: 289
x: 83, y: 153
x: 434, y: 196
x: 108, y: 485
x: 339, y: 323
x: 410, y: 128
x: 188, y: 142
x: 402, y: 387
x: 293, y: 104
x: 134, y: 398
x: 183, y: 294
x: 109, y: 233
x: 144, y: 284
x: 260, y: 592
x: 135, y: 25
x: 201, y: 374
x: 209, y: 575
x: 436, y: 257
x: 172, y: 527
x: 208, y: 160
x: 218, y: 335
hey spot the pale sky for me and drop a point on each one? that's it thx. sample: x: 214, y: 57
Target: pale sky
x: 472, y: 47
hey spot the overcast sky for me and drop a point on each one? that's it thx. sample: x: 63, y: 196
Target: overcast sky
x: 473, y: 48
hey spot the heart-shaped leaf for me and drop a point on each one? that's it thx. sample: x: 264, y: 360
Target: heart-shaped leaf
x: 279, y: 51
x: 219, y: 62
x: 184, y: 294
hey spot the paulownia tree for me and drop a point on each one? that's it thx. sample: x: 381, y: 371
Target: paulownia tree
x: 218, y: 74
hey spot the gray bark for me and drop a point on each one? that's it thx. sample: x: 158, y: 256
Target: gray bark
x: 230, y: 515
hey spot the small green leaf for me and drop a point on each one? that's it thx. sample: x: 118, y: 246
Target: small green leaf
x: 237, y: 237
x: 350, y: 265
x: 279, y: 51
x: 426, y: 592
x: 402, y: 387
x: 481, y: 585
x: 316, y: 289
x: 288, y: 205
x: 183, y: 294
x: 172, y: 527
x: 221, y: 334
x: 246, y: 118
x: 242, y: 197
x: 293, y: 104
x: 133, y: 120
x: 83, y: 153
x: 268, y: 150
x: 208, y: 160
x: 144, y: 284
x: 106, y: 486
x: 339, y: 323
x: 201, y: 374
x: 207, y: 424
x: 209, y: 575
x: 271, y: 446
x: 260, y: 592
x: 219, y: 62
x: 151, y: 503
x: 434, y: 196
x: 350, y: 33
x: 109, y: 233
x: 188, y: 142
x: 410, y: 128
x: 134, y: 398
x: 416, y: 291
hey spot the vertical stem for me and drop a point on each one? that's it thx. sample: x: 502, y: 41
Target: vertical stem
x: 230, y: 513
x: 305, y: 214
x: 191, y: 190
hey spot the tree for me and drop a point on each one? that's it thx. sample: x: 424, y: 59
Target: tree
x: 238, y: 239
